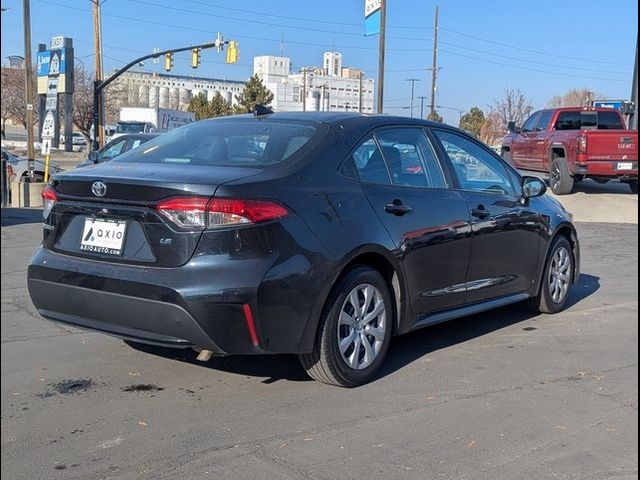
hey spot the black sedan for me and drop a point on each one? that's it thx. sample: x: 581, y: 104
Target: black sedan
x: 321, y: 235
x: 117, y: 147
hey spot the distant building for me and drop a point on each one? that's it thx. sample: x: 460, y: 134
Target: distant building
x: 327, y: 88
x: 16, y: 61
x: 147, y: 89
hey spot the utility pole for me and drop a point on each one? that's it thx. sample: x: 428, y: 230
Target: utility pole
x: 28, y: 88
x: 422, y: 97
x: 413, y: 82
x: 360, y: 92
x: 434, y: 66
x: 383, y: 21
x: 633, y: 119
x: 304, y: 89
x: 98, y: 102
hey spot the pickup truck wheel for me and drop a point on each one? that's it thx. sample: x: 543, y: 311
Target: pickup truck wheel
x: 560, y: 179
x: 633, y: 185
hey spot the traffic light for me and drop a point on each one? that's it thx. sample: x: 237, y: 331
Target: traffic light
x: 195, y: 57
x: 232, y: 52
x: 168, y: 61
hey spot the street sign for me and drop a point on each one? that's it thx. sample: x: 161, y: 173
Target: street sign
x: 54, y: 63
x: 614, y: 104
x: 46, y: 146
x: 52, y: 94
x: 49, y: 125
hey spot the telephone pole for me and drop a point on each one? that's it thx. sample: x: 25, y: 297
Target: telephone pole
x: 383, y: 20
x: 97, y: 38
x: 28, y: 88
x: 413, y: 82
x: 422, y: 98
x: 434, y: 66
x: 633, y: 119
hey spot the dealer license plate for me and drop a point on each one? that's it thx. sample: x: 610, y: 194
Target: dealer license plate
x: 625, y: 166
x: 103, y: 236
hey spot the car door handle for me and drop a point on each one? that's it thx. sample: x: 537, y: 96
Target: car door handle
x: 480, y: 212
x: 397, y: 208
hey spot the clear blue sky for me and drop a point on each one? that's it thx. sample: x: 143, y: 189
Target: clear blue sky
x: 543, y: 47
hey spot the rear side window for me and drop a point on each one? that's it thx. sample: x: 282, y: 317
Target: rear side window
x: 410, y: 159
x: 609, y: 121
x: 568, y: 121
x: 370, y: 164
x: 543, y: 122
x: 226, y: 143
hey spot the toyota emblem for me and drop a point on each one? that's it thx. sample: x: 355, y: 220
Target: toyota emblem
x: 99, y: 189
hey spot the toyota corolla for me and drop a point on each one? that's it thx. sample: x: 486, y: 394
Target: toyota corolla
x: 321, y: 235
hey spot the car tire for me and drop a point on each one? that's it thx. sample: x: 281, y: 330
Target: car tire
x: 556, y: 279
x: 560, y: 179
x: 339, y: 355
x: 633, y: 186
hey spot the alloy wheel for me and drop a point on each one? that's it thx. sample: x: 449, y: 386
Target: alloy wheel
x: 560, y: 274
x: 362, y: 326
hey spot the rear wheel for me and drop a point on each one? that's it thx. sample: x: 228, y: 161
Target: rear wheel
x: 633, y: 185
x: 560, y: 179
x: 557, y: 278
x: 354, y: 332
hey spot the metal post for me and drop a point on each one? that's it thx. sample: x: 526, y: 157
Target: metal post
x: 96, y: 114
x: 422, y: 97
x: 360, y: 92
x: 97, y: 103
x: 28, y: 78
x: 68, y: 97
x: 413, y: 82
x: 434, y: 66
x: 633, y: 118
x: 383, y: 20
x: 304, y: 89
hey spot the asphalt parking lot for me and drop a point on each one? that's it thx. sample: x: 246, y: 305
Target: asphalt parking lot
x: 501, y: 395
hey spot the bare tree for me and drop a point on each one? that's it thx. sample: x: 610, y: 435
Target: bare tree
x: 576, y: 97
x: 83, y: 102
x: 14, y: 106
x: 513, y: 107
x: 492, y: 130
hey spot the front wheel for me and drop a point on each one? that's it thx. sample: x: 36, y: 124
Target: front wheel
x: 354, y: 332
x: 557, y: 278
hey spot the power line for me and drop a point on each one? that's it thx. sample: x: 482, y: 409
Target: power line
x: 532, y: 69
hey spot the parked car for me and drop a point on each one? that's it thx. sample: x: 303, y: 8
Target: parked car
x: 571, y: 144
x: 20, y: 167
x: 116, y: 147
x: 77, y: 139
x: 322, y: 243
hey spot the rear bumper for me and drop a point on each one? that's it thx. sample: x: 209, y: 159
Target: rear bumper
x: 192, y: 312
x: 608, y: 168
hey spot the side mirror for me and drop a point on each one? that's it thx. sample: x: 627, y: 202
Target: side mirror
x: 533, y: 187
x: 511, y: 127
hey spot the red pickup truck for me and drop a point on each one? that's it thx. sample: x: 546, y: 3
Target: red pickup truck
x: 571, y: 144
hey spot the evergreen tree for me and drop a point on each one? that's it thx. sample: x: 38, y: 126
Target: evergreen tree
x: 203, y: 108
x: 435, y: 117
x: 254, y: 93
x: 473, y: 121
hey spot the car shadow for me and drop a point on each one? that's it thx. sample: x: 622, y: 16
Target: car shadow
x: 404, y: 349
x: 19, y: 216
x: 591, y: 187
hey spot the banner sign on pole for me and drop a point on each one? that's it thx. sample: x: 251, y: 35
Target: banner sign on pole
x: 372, y: 17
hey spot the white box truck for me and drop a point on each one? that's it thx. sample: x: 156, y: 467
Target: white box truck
x: 145, y: 120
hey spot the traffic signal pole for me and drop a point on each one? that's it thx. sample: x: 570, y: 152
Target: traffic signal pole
x: 100, y: 85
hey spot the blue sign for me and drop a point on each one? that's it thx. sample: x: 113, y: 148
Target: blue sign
x: 52, y: 62
x: 372, y: 17
x: 614, y: 104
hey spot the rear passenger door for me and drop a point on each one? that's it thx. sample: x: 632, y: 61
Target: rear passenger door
x: 429, y: 222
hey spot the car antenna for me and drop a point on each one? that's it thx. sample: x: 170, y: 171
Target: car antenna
x: 261, y: 110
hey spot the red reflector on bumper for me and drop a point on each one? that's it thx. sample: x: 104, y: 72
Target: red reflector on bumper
x: 248, y: 316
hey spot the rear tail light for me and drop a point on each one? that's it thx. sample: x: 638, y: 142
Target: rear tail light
x: 49, y: 199
x: 199, y: 212
x: 582, y: 143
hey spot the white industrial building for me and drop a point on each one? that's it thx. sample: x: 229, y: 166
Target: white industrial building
x: 331, y: 87
x: 148, y: 89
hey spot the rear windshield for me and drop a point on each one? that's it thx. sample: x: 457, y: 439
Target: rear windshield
x: 225, y: 143
x: 583, y: 120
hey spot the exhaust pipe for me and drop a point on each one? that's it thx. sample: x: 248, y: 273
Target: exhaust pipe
x: 204, y: 355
